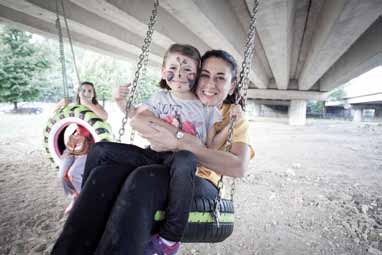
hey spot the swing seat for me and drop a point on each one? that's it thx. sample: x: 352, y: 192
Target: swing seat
x: 77, y: 114
x: 202, y: 227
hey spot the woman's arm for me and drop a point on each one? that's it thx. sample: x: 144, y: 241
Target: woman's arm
x: 219, y: 139
x: 233, y: 163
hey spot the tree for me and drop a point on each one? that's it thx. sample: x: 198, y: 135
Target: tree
x: 337, y: 94
x: 106, y: 73
x: 20, y: 64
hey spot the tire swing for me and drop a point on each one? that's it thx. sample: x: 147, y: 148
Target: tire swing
x: 80, y: 115
x: 210, y: 220
x: 73, y: 114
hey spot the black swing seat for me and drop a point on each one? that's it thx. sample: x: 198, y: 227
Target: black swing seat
x: 202, y: 226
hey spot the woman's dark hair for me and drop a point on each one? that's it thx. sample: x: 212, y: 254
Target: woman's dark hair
x: 230, y: 99
x: 94, y: 99
x: 185, y: 50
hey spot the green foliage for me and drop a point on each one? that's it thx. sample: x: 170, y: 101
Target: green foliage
x: 107, y: 73
x: 21, y: 62
x: 316, y: 106
x: 46, y: 83
x: 337, y: 94
x: 145, y: 89
x: 52, y: 90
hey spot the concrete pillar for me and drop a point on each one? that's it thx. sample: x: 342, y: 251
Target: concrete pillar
x: 297, y: 112
x: 357, y: 115
x: 256, y: 109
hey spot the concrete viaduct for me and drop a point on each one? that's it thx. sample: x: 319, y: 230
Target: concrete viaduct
x: 304, y: 48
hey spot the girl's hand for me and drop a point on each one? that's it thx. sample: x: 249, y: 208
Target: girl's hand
x: 121, y: 92
x: 236, y: 111
x: 66, y: 101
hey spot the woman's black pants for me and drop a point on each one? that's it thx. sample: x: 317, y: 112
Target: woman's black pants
x: 123, y: 187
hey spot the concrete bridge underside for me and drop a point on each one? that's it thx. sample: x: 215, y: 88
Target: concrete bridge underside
x: 304, y: 48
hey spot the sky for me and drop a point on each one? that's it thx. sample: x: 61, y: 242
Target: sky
x: 367, y: 83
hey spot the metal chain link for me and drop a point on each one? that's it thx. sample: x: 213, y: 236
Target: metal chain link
x: 70, y: 42
x: 248, y: 55
x: 142, y: 82
x: 62, y: 53
x: 242, y: 88
x: 142, y: 56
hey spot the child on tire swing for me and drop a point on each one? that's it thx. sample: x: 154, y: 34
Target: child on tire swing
x: 179, y: 106
x: 77, y: 141
x: 114, y: 219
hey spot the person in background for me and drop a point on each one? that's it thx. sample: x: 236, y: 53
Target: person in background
x: 77, y: 142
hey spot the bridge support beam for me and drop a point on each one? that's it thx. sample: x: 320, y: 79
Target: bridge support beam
x: 357, y: 114
x: 297, y: 112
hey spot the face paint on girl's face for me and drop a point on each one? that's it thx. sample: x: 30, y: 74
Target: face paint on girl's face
x: 180, y: 72
x: 191, y: 80
x: 170, y: 75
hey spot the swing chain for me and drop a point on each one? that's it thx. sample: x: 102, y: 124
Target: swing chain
x: 62, y: 53
x: 242, y: 87
x: 61, y: 46
x: 142, y: 57
x: 70, y: 42
x: 142, y: 81
x: 248, y: 56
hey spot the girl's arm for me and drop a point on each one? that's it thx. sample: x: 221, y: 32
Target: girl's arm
x: 211, y: 135
x: 119, y: 94
x: 63, y: 102
x: 144, y: 120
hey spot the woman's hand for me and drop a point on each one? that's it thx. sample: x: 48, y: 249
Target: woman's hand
x: 236, y: 111
x: 161, y: 139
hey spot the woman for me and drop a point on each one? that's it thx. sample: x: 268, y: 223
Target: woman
x: 119, y: 220
x: 72, y: 164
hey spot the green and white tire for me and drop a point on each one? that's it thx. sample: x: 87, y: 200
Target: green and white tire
x: 73, y: 114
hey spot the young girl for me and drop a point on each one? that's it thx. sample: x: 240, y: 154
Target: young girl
x: 72, y: 164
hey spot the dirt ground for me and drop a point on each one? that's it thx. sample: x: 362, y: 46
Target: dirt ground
x: 315, y: 189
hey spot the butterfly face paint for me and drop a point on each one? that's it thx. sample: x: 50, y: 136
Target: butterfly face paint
x: 180, y: 72
x: 170, y: 76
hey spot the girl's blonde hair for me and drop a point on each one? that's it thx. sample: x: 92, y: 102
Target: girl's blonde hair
x: 185, y: 50
x: 94, y: 99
